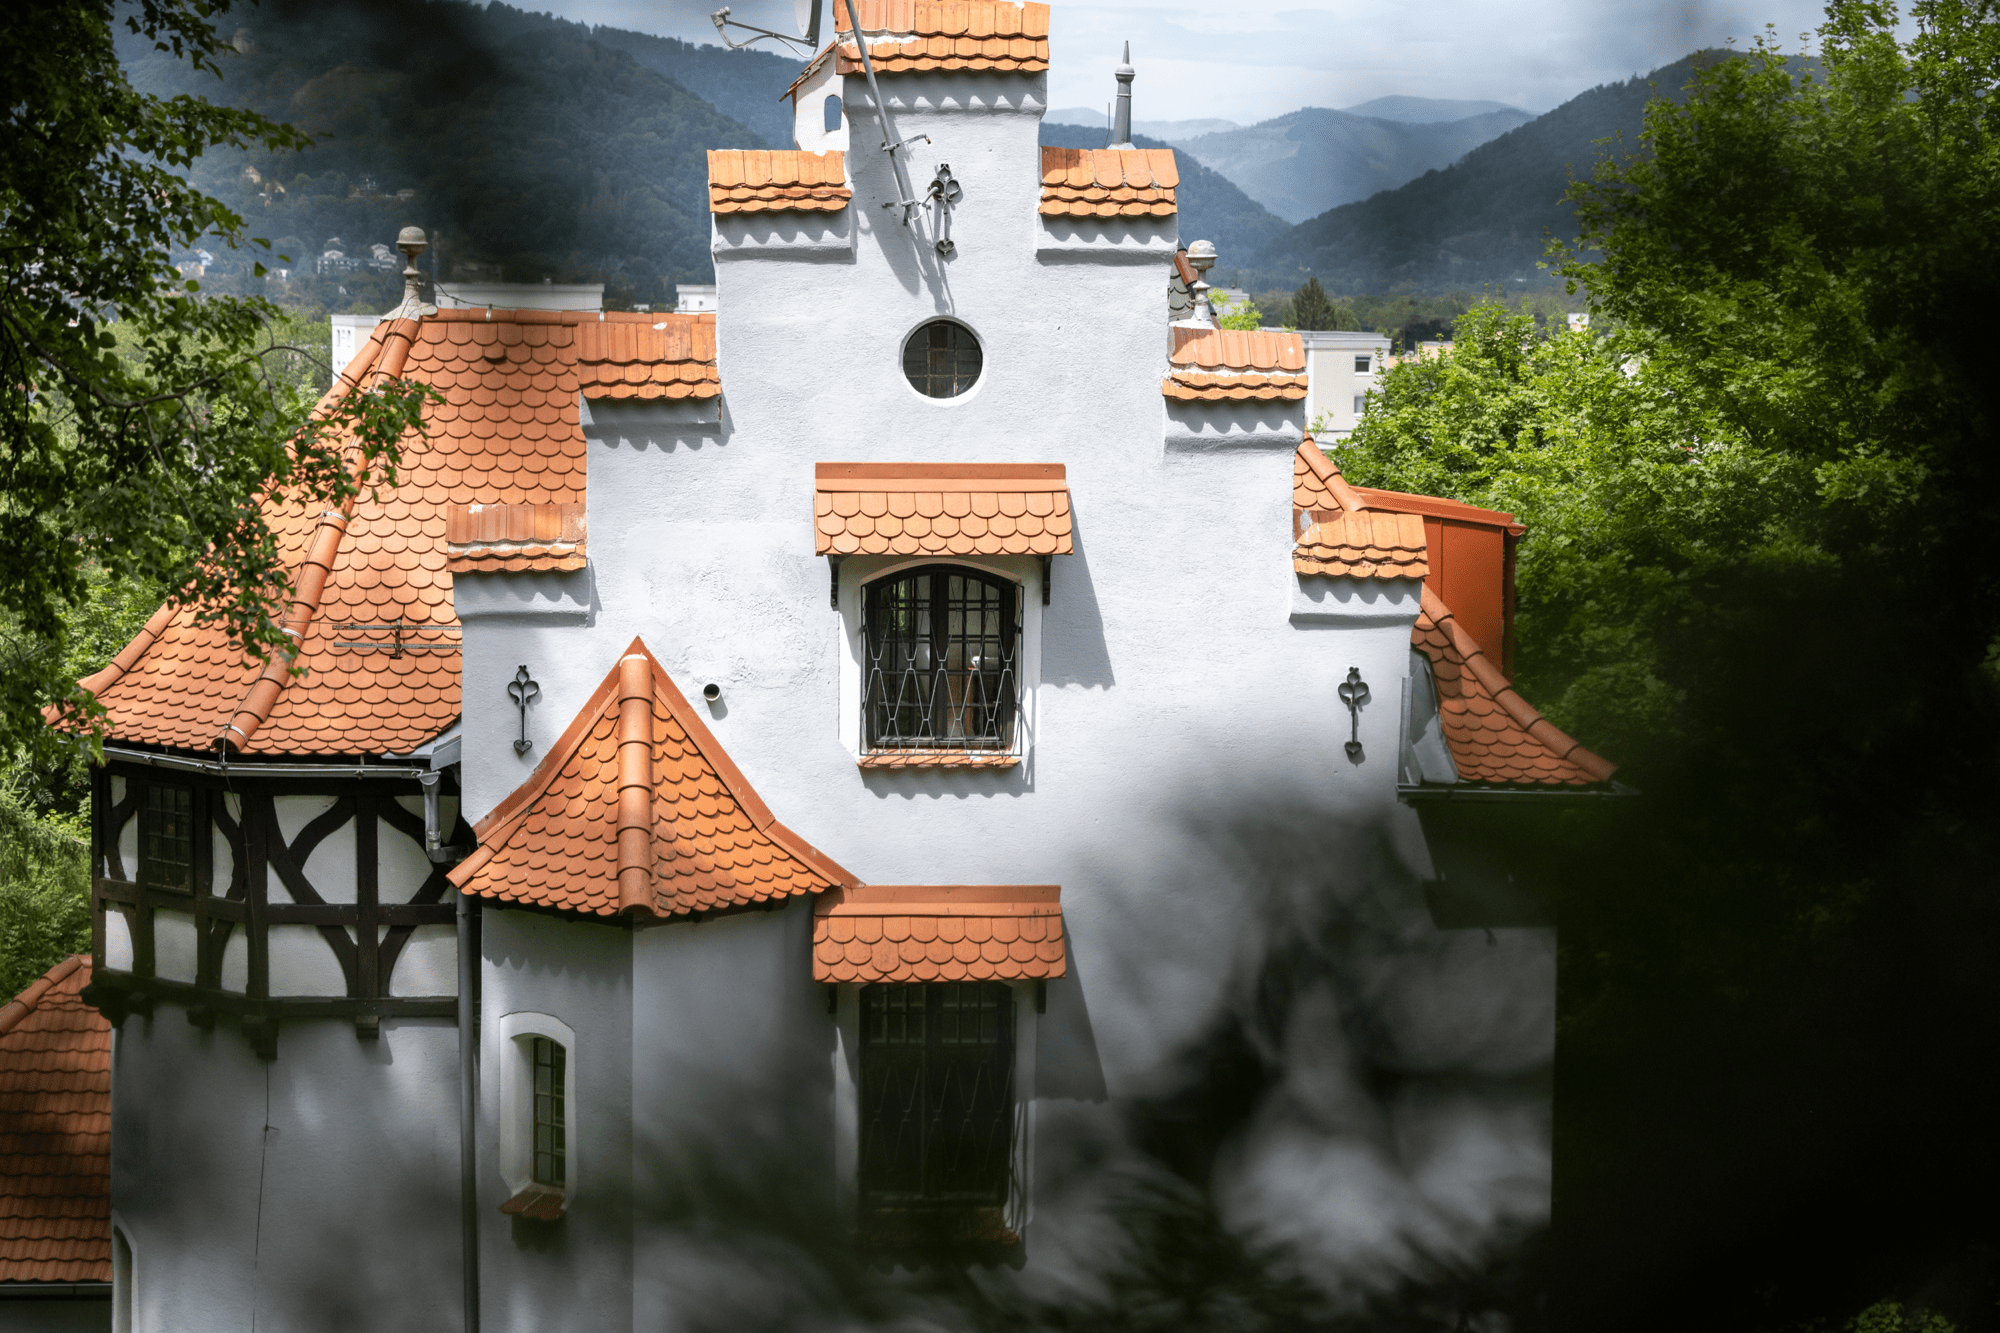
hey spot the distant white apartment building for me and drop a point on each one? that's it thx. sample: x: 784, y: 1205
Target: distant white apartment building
x: 1342, y: 367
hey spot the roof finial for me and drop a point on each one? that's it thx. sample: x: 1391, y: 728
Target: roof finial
x: 412, y: 243
x: 1121, y: 123
x: 1201, y: 258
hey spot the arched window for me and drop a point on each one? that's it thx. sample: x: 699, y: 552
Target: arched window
x: 942, y: 359
x: 830, y: 113
x: 940, y: 673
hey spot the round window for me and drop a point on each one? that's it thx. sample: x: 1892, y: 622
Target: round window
x: 942, y: 359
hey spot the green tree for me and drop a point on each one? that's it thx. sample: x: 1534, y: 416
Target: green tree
x: 44, y: 891
x: 1242, y: 314
x: 1760, y: 573
x: 148, y: 430
x: 1312, y: 308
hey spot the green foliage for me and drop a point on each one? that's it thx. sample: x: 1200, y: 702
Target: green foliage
x: 1760, y: 573
x: 1312, y: 308
x: 1242, y: 314
x: 151, y: 425
x: 44, y: 891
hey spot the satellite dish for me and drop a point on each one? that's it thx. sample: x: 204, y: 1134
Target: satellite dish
x: 807, y: 14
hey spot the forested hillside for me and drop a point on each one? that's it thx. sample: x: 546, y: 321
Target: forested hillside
x: 1302, y: 164
x: 1209, y: 205
x: 534, y: 148
x: 1485, y: 219
x: 746, y: 86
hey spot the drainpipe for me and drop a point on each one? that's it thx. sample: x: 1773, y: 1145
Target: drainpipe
x: 468, y: 1060
x: 468, y: 1110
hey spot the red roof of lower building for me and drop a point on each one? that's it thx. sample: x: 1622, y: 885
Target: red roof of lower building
x: 55, y: 1132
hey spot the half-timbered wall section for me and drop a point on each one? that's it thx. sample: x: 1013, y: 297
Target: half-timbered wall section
x: 271, y: 897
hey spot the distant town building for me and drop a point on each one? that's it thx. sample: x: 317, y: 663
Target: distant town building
x: 1342, y: 367
x: 696, y: 298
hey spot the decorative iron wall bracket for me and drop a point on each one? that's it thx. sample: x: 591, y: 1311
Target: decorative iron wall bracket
x: 1354, y: 693
x: 523, y: 691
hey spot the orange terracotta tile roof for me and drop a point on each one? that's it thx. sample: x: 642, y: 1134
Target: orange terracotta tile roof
x: 1361, y: 545
x: 1318, y: 484
x: 1109, y: 182
x: 914, y: 36
x: 785, y: 180
x: 379, y: 640
x: 55, y: 1132
x: 511, y: 538
x: 638, y: 811
x: 1494, y: 735
x: 941, y: 509
x: 1218, y: 365
x: 921, y: 932
x: 648, y: 356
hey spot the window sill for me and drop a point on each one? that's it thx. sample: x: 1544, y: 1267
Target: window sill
x: 936, y: 759
x: 537, y: 1203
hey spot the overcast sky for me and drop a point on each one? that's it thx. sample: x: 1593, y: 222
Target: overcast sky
x: 1249, y: 62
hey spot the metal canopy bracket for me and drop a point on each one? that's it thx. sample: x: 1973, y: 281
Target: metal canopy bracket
x: 833, y: 582
x: 1048, y: 575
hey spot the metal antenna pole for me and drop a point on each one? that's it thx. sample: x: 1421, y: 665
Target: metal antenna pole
x: 889, y: 146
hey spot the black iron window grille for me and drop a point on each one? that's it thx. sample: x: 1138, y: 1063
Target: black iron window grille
x: 942, y: 359
x: 166, y: 837
x: 551, y: 1131
x: 940, y: 646
x: 937, y: 1125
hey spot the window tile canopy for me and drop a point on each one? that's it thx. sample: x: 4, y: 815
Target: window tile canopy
x: 941, y: 509
x: 930, y: 932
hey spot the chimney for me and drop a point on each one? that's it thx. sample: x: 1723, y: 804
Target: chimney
x: 1121, y: 123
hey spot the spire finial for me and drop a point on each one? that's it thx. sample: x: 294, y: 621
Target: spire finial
x: 1121, y: 121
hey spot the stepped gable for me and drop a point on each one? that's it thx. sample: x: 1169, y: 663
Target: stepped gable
x: 514, y: 538
x: 1338, y: 535
x: 1495, y: 736
x: 639, y: 812
x: 1361, y: 545
x: 785, y: 180
x: 926, y: 932
x: 55, y: 1132
x: 647, y: 357
x: 1109, y: 182
x: 379, y: 639
x: 918, y: 36
x: 941, y: 509
x: 1222, y: 365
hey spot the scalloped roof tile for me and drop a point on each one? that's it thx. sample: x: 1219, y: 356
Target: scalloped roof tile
x: 918, y: 36
x: 637, y: 811
x: 782, y: 180
x: 941, y: 509
x: 55, y: 1132
x: 1221, y: 365
x: 1109, y: 182
x: 379, y: 638
x: 924, y: 932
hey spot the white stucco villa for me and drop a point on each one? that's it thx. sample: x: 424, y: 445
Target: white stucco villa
x: 790, y: 781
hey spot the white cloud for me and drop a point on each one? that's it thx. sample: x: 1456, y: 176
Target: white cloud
x: 1250, y: 62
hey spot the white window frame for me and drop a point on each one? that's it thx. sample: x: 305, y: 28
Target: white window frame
x: 858, y: 571
x: 124, y: 1262
x: 517, y: 1102
x: 847, y: 1105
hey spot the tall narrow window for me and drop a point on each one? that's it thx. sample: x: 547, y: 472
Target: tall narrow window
x: 937, y: 1106
x: 940, y: 661
x: 551, y: 1131
x: 166, y: 831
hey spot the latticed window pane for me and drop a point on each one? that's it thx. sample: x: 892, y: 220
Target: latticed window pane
x: 942, y: 359
x: 167, y: 826
x: 937, y: 1099
x: 941, y: 671
x: 551, y: 1127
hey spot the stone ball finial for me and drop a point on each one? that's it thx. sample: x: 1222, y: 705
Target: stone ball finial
x: 410, y: 240
x: 1202, y: 256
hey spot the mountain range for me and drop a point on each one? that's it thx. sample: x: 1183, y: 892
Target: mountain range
x: 1485, y: 219
x: 1301, y: 164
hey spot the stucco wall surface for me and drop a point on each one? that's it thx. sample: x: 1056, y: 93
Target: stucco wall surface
x: 316, y: 1191
x: 576, y: 1273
